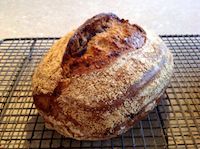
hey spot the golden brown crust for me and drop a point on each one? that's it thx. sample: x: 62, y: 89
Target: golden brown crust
x: 92, y: 103
x: 98, y: 42
x: 49, y: 72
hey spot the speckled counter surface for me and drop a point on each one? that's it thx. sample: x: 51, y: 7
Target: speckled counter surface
x: 24, y: 18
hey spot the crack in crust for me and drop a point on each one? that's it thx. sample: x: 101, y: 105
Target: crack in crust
x: 98, y: 42
x: 77, y: 44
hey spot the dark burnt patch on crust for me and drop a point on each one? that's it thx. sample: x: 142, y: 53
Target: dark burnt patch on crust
x: 99, y: 42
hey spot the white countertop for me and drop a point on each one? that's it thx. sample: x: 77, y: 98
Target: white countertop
x: 23, y: 18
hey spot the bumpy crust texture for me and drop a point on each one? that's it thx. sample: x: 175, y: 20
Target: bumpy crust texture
x: 106, y: 96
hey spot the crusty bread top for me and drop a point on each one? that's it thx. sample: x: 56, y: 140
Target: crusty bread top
x: 98, y: 42
x: 137, y: 65
x: 103, y: 38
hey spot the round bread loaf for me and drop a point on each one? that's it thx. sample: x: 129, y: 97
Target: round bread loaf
x: 97, y: 81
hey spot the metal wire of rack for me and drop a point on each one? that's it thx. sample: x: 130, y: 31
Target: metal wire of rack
x: 174, y: 123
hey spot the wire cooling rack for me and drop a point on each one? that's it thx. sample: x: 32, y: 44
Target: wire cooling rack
x: 174, y: 123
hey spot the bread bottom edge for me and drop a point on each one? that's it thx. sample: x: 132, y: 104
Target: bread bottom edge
x: 129, y: 123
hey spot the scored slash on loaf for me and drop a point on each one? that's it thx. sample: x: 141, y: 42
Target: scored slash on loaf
x: 99, y: 80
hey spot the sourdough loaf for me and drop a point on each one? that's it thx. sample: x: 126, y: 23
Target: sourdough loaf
x: 97, y: 81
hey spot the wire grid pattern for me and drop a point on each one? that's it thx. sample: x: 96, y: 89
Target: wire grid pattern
x: 174, y: 123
